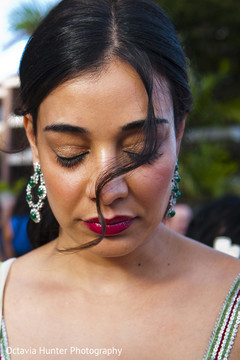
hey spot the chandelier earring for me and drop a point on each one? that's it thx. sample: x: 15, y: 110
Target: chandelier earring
x: 175, y: 193
x: 36, y: 180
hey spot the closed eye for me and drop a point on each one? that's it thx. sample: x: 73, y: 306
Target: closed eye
x: 71, y: 161
x: 132, y: 155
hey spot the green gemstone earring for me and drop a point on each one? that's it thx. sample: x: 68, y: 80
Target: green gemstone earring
x: 175, y: 193
x: 36, y: 179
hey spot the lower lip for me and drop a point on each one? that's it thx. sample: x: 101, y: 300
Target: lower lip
x: 111, y: 230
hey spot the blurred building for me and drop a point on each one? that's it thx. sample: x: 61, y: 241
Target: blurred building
x: 14, y: 164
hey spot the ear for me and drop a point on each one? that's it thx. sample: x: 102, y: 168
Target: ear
x: 28, y: 125
x: 180, y: 132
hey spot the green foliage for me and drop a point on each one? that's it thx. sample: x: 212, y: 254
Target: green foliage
x: 208, y: 109
x: 13, y: 189
x: 27, y: 17
x: 210, y: 31
x: 210, y: 169
x: 207, y: 171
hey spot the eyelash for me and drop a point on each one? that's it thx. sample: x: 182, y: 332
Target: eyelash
x: 72, y: 161
x: 152, y: 159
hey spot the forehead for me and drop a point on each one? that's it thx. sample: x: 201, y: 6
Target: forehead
x: 115, y: 94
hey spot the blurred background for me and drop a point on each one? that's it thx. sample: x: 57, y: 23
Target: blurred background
x: 209, y: 163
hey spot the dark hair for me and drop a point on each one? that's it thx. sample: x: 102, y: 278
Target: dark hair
x: 81, y: 36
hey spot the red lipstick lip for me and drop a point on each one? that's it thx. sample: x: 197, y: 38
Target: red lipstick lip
x: 114, y: 226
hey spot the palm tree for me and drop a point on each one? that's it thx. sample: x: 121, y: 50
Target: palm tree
x: 24, y: 19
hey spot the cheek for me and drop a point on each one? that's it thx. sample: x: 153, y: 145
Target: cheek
x: 64, y: 189
x: 153, y: 184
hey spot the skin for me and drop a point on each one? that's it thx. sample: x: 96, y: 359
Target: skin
x: 130, y: 287
x: 181, y: 220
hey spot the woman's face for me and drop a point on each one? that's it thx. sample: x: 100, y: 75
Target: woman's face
x: 84, y: 125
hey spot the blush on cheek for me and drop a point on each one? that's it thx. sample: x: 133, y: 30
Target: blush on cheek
x: 155, y: 182
x: 65, y: 190
x: 161, y: 188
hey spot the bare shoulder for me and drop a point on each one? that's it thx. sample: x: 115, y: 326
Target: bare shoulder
x: 202, y: 267
x: 211, y: 275
x: 25, y: 269
x: 27, y: 281
x: 212, y: 263
x: 221, y: 272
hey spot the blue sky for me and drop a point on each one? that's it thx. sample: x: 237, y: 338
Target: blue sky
x: 10, y: 56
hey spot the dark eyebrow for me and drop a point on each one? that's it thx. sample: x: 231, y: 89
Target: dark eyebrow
x: 140, y: 123
x: 62, y: 128
x: 65, y: 128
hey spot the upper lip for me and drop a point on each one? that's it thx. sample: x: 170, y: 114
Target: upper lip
x: 114, y: 220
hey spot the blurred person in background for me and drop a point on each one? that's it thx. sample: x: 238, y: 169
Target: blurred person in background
x: 14, y: 232
x: 7, y: 200
x: 181, y: 220
x: 217, y: 224
x: 1, y: 244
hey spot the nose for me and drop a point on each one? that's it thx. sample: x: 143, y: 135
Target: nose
x: 115, y: 189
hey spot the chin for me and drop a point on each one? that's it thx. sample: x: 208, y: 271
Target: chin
x: 111, y: 247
